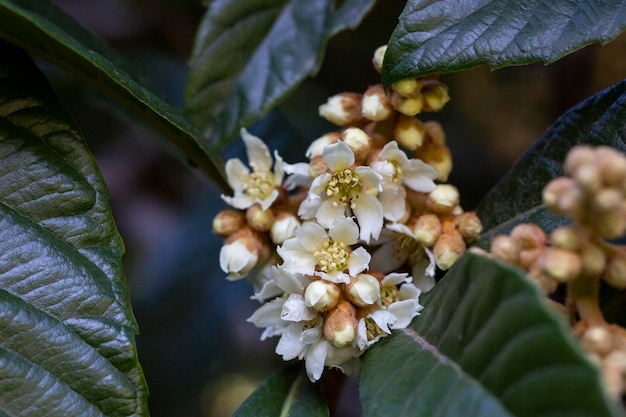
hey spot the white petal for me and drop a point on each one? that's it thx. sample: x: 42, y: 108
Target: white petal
x: 308, y: 208
x: 289, y: 283
x: 336, y: 276
x: 315, y: 358
x: 312, y: 335
x: 404, y: 311
x: 327, y: 213
x: 272, y: 331
x: 267, y: 291
x: 396, y: 278
x: 419, y: 176
x: 258, y: 153
x: 296, y: 258
x: 235, y: 173
x: 268, y: 314
x: 241, y: 202
x: 359, y: 261
x: 401, y: 228
x: 289, y: 345
x: 236, y: 260
x: 370, y: 177
x: 422, y: 278
x: 344, y: 230
x: 311, y: 236
x: 383, y: 319
x: 409, y: 291
x: 267, y: 202
x: 393, y: 202
x: 338, y: 156
x: 298, y: 175
x: 384, y: 168
x: 369, y: 214
x: 391, y: 152
x: 295, y: 309
x: 279, y: 169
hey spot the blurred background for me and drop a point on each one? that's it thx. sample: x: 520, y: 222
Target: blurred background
x: 200, y: 356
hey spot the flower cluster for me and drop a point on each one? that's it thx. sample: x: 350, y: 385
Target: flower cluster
x: 593, y: 197
x: 340, y: 248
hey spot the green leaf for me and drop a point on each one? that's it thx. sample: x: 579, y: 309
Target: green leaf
x: 248, y: 56
x: 486, y: 344
x: 66, y: 326
x: 40, y: 28
x: 599, y: 120
x: 287, y: 392
x: 448, y: 35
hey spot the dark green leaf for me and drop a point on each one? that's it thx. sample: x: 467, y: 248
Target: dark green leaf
x: 250, y: 55
x: 486, y: 344
x: 42, y: 29
x: 599, y: 120
x: 445, y: 36
x: 287, y: 392
x: 66, y: 327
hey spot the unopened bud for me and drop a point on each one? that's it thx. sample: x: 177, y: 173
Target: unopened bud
x: 506, y: 248
x: 375, y: 104
x: 443, y: 199
x: 379, y: 56
x: 259, y: 219
x: 343, y: 109
x: 469, y: 225
x: 340, y: 325
x: 593, y: 259
x: 434, y: 132
x: 565, y: 238
x: 563, y: 196
x: 612, y: 164
x: 615, y: 273
x: 284, y: 227
x: 317, y: 146
x: 527, y: 257
x: 321, y: 295
x: 240, y: 254
x: 438, y: 157
x: 597, y: 339
x: 577, y: 156
x: 589, y: 177
x: 317, y: 166
x: 611, y: 225
x: 409, y: 87
x: 559, y: 264
x: 427, y: 229
x: 408, y: 132
x: 409, y: 106
x: 448, y: 249
x: 435, y: 95
x: 363, y: 290
x: 529, y: 235
x: 358, y: 141
x: 546, y: 284
x: 228, y: 222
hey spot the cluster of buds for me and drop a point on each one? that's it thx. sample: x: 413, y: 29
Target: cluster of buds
x: 340, y: 248
x: 593, y: 197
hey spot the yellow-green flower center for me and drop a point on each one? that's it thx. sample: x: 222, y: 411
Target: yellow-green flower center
x: 372, y: 329
x: 259, y: 183
x: 342, y: 186
x: 396, y: 178
x: 333, y: 256
x: 406, y: 248
x: 388, y: 295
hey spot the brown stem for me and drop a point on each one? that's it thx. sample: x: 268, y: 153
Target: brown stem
x: 583, y: 297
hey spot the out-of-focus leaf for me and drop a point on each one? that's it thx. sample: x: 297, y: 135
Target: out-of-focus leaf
x: 249, y: 55
x: 67, y: 331
x: 599, y: 120
x: 486, y: 344
x: 287, y: 392
x: 40, y: 28
x: 445, y: 36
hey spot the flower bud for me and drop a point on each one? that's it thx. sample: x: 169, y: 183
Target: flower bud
x: 448, y: 248
x: 364, y: 289
x: 427, y: 229
x: 593, y: 259
x: 435, y: 95
x: 615, y: 273
x: 340, y: 325
x: 409, y: 106
x: 565, y: 238
x: 409, y: 87
x: 317, y: 146
x: 358, y: 141
x: 408, y: 132
x: 469, y: 225
x: 343, y: 109
x: 438, y: 157
x: 545, y: 283
x: 240, y: 254
x: 228, y: 222
x: 529, y: 235
x: 607, y: 199
x: 317, y: 166
x: 284, y: 227
x: 589, y: 177
x: 379, y: 56
x: 611, y: 225
x: 563, y: 196
x: 559, y: 264
x: 597, y: 339
x: 375, y: 104
x: 443, y: 199
x: 321, y: 295
x: 577, y: 156
x: 259, y: 219
x: 612, y: 165
x: 434, y: 133
x: 506, y: 248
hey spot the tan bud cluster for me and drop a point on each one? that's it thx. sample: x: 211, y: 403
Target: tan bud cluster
x: 343, y: 109
x: 228, y: 222
x: 375, y: 105
x: 359, y: 142
x: 435, y: 95
x: 408, y: 132
x: 340, y: 324
x: 434, y: 150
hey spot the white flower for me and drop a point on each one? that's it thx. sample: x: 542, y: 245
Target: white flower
x: 275, y: 281
x: 345, y: 191
x: 397, y: 171
x: 325, y: 254
x: 236, y: 259
x: 260, y: 185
